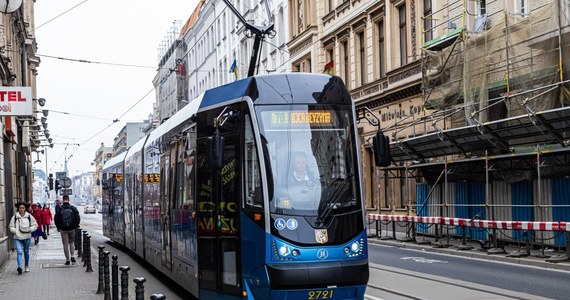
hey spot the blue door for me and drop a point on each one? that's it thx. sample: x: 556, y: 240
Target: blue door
x: 422, y: 191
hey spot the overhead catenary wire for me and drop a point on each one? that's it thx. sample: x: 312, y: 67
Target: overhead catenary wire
x: 61, y: 14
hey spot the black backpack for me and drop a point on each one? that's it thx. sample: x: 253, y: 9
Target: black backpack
x: 67, y: 217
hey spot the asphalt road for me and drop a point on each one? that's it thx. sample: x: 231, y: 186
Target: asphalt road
x: 517, y: 278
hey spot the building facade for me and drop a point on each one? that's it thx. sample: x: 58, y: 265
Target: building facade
x: 210, y: 42
x: 375, y: 47
x: 131, y: 133
x: 18, y: 63
x: 102, y: 155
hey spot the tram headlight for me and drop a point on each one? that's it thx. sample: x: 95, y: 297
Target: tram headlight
x: 284, y: 250
x: 355, y: 247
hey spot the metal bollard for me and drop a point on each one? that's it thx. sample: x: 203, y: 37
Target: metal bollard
x: 77, y: 234
x: 124, y: 282
x: 115, y: 278
x: 84, y: 249
x: 106, y: 273
x: 79, y: 245
x: 88, y: 255
x: 139, y: 289
x: 101, y: 284
x: 157, y: 297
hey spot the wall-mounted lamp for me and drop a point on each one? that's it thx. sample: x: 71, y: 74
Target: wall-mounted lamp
x: 44, y: 112
x: 44, y: 125
x: 43, y: 120
x: 41, y: 101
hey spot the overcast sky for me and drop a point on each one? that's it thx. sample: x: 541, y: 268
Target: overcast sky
x: 85, y: 98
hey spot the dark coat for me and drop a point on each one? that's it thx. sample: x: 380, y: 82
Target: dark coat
x: 59, y: 217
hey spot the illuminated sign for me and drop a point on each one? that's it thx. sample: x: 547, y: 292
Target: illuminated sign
x: 118, y: 176
x: 301, y: 117
x: 151, y: 178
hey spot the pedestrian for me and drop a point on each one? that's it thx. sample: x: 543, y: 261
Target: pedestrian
x: 22, y: 225
x: 47, y: 217
x: 57, y: 205
x: 67, y: 220
x: 37, y: 214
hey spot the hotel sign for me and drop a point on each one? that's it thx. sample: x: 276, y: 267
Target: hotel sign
x: 16, y: 101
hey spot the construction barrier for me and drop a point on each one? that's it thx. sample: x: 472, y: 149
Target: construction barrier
x: 491, y: 246
x: 476, y: 223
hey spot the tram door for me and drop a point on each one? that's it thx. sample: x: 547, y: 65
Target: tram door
x: 218, y: 228
x: 107, y: 205
x: 165, y: 173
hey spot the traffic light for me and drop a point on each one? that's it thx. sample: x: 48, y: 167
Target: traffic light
x: 57, y: 186
x: 50, y: 181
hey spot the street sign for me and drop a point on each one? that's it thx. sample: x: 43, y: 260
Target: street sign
x: 65, y: 192
x: 65, y: 182
x: 60, y: 175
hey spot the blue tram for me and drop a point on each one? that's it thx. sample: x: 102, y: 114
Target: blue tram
x: 251, y: 191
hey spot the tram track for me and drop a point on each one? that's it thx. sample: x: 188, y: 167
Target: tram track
x: 401, y: 284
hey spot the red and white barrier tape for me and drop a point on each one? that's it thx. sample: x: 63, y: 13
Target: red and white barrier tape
x: 509, y: 225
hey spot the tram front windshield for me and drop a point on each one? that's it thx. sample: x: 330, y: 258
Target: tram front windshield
x: 309, y: 150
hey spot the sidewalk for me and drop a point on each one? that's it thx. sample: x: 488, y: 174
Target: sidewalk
x: 48, y: 278
x: 473, y: 249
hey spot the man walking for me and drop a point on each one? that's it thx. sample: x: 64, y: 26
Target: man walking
x: 67, y: 219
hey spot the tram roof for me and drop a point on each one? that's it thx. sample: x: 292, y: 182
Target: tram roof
x: 182, y: 115
x: 136, y: 147
x: 284, y: 87
x: 115, y: 160
x: 280, y: 88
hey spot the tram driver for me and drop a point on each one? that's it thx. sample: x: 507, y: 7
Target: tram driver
x: 300, y: 172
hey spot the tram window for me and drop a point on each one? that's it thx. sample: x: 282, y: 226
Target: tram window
x: 254, y: 196
x: 186, y: 172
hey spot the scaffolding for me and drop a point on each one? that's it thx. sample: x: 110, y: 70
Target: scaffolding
x: 496, y: 97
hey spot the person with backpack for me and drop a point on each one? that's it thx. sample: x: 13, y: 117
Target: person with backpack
x: 22, y: 225
x: 67, y: 219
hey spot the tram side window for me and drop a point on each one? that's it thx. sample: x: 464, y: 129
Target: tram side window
x: 186, y: 173
x: 254, y: 196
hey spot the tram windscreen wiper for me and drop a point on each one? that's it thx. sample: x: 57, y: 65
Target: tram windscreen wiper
x: 338, y: 192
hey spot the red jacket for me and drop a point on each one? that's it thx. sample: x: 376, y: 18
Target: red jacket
x: 37, y: 214
x: 46, y: 216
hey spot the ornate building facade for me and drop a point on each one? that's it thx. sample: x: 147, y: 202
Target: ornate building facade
x: 374, y: 46
x: 20, y: 134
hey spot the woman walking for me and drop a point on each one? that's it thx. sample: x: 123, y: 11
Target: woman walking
x: 22, y: 225
x: 38, y: 215
x: 47, y: 217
